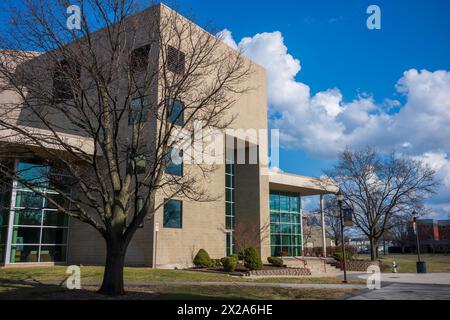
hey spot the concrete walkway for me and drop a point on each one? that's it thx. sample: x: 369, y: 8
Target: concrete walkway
x: 406, y: 286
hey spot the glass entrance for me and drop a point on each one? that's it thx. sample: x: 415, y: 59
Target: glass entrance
x: 285, y: 224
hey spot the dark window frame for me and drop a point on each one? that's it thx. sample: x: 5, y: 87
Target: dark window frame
x: 177, y: 119
x: 176, y: 60
x: 138, y: 116
x: 62, y: 80
x: 173, y: 165
x: 166, y: 202
x: 139, y: 58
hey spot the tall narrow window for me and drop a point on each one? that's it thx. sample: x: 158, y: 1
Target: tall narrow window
x: 65, y: 77
x: 175, y: 162
x: 138, y: 111
x: 173, y: 214
x: 175, y: 111
x: 229, y: 199
x: 139, y: 58
x: 176, y: 60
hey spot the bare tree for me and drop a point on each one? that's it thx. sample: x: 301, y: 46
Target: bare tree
x: 311, y: 221
x: 102, y: 105
x: 249, y: 235
x: 379, y: 188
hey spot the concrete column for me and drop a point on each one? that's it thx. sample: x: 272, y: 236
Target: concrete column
x: 324, y: 239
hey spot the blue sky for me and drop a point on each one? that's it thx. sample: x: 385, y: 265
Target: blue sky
x: 336, y: 51
x: 333, y: 83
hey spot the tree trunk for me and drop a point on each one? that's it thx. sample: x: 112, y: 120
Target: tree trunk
x: 372, y: 248
x: 113, y: 276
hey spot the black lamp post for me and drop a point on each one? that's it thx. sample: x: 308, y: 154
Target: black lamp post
x: 420, y: 265
x: 340, y: 200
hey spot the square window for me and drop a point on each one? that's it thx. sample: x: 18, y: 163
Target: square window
x: 175, y: 60
x: 139, y: 58
x: 175, y: 111
x: 284, y: 202
x: 138, y: 111
x: 274, y: 201
x: 173, y: 214
x: 29, y: 200
x: 27, y: 217
x: 295, y: 203
x: 174, y: 162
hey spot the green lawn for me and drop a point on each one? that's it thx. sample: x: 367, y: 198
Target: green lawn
x: 406, y: 263
x: 94, y: 273
x: 11, y: 291
x: 13, y: 285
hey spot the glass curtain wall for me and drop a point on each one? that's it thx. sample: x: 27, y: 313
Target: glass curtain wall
x: 285, y: 224
x: 39, y: 231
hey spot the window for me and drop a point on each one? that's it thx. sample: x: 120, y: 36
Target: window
x: 138, y: 111
x: 175, y: 111
x: 173, y: 214
x: 139, y: 159
x: 175, y: 162
x: 175, y: 60
x: 39, y: 230
x: 139, y: 58
x: 64, y: 77
x: 285, y: 224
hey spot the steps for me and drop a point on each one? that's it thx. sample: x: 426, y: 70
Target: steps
x: 317, y: 266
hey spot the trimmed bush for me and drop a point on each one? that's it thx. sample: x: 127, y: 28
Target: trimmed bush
x: 275, y: 261
x: 229, y: 263
x: 338, y: 255
x: 252, y: 260
x: 202, y: 259
x: 235, y: 255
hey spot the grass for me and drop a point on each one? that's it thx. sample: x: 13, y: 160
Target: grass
x: 13, y: 285
x: 11, y: 291
x: 406, y: 263
x: 95, y: 273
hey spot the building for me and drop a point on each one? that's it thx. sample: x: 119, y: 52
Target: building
x: 32, y: 231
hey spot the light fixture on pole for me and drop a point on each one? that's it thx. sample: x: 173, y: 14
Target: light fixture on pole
x: 340, y: 200
x: 420, y: 265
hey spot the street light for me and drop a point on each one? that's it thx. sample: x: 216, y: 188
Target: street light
x: 340, y: 200
x: 420, y: 265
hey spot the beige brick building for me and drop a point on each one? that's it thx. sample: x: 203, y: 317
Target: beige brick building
x: 250, y: 194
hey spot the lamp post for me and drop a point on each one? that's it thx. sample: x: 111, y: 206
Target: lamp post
x: 340, y: 200
x: 420, y: 265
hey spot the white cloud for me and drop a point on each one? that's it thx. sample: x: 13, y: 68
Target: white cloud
x: 321, y: 124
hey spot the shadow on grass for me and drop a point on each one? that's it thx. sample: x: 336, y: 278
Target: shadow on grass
x: 35, y: 290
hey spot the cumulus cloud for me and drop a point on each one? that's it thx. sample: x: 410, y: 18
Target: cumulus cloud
x: 324, y: 123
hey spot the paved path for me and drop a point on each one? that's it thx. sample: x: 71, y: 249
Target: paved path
x: 407, y: 286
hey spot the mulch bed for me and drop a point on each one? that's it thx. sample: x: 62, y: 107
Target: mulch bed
x: 267, y: 269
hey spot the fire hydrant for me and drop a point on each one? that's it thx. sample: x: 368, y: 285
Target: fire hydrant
x: 394, y: 267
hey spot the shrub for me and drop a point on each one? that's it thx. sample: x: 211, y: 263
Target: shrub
x: 338, y: 255
x: 275, y: 261
x: 235, y: 255
x: 202, y: 259
x: 252, y: 260
x: 216, y: 262
x: 229, y: 263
